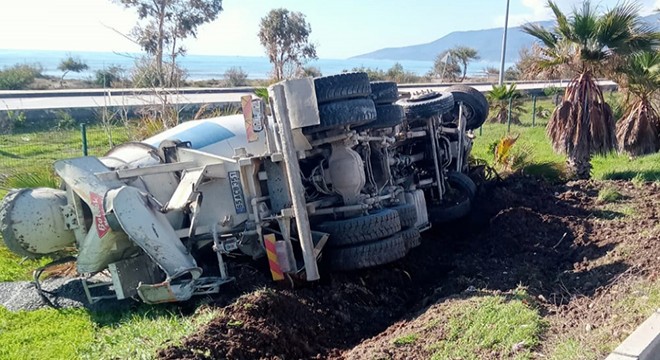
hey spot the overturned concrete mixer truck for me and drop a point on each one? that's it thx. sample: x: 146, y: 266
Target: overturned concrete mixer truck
x: 336, y: 170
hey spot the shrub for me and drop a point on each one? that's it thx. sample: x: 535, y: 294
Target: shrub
x: 374, y: 74
x: 553, y: 90
x: 12, y: 119
x: 310, y: 71
x: 396, y: 73
x: 19, y: 76
x: 65, y: 121
x: 235, y: 76
x: 107, y: 77
x: 499, y: 98
x: 145, y: 74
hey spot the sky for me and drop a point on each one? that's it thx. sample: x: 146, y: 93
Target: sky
x: 340, y: 28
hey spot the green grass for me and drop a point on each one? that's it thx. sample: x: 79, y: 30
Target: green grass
x: 491, y: 324
x: 140, y: 334
x: 26, y: 152
x: 44, y: 334
x: 543, y: 161
x: 13, y: 268
x: 621, y: 167
x: 405, y: 340
x: 80, y: 334
x: 609, y: 194
x: 572, y: 349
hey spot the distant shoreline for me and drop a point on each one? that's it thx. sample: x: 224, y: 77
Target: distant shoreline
x: 203, y: 67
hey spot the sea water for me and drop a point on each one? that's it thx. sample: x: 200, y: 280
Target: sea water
x: 201, y: 67
x: 198, y: 67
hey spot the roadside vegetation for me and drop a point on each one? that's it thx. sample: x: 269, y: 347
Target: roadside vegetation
x: 560, y: 144
x: 81, y: 334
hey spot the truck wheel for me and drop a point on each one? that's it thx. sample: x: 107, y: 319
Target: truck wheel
x: 367, y: 255
x: 342, y: 87
x: 462, y: 181
x: 411, y: 237
x: 387, y: 116
x: 342, y: 113
x: 458, y: 202
x: 407, y: 214
x: 384, y: 92
x: 361, y: 229
x: 476, y: 106
x: 451, y: 211
x: 427, y: 104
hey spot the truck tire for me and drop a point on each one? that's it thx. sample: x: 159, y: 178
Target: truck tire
x: 450, y: 212
x: 367, y: 255
x: 475, y: 103
x: 427, y: 105
x: 384, y: 92
x: 411, y: 237
x: 387, y: 116
x: 342, y: 87
x: 361, y: 229
x: 460, y: 205
x: 407, y: 215
x: 342, y: 113
x: 462, y: 181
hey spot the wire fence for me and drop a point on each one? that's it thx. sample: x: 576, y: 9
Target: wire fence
x: 35, y: 151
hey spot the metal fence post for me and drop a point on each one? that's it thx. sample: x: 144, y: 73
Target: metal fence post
x: 508, y: 116
x: 83, y: 135
x: 533, y: 110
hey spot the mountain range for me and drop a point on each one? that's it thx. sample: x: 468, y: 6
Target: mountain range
x: 488, y: 42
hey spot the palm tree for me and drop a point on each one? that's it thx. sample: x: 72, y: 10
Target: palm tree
x: 637, y: 131
x: 588, y: 43
x: 499, y: 98
x: 465, y: 55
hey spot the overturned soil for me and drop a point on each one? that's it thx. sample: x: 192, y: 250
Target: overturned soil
x: 572, y: 252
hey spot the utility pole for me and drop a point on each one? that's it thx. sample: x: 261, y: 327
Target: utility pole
x: 506, y: 28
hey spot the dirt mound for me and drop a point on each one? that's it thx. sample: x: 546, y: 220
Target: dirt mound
x: 559, y: 241
x: 315, y: 322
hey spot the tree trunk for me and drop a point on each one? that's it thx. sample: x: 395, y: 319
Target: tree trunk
x: 62, y: 79
x: 170, y: 82
x: 579, y: 166
x: 464, y: 70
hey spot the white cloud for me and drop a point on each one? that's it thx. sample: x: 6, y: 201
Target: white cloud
x: 537, y: 10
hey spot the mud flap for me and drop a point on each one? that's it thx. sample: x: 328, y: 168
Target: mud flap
x: 150, y: 230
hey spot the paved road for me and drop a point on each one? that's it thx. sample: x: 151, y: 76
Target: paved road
x: 92, y: 98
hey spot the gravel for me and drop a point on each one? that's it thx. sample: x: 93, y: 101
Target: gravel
x: 63, y: 292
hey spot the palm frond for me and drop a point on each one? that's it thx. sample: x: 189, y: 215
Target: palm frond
x: 583, y: 24
x: 548, y: 38
x: 645, y: 39
x: 563, y: 27
x: 622, y: 30
x: 637, y: 133
x: 642, y: 72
